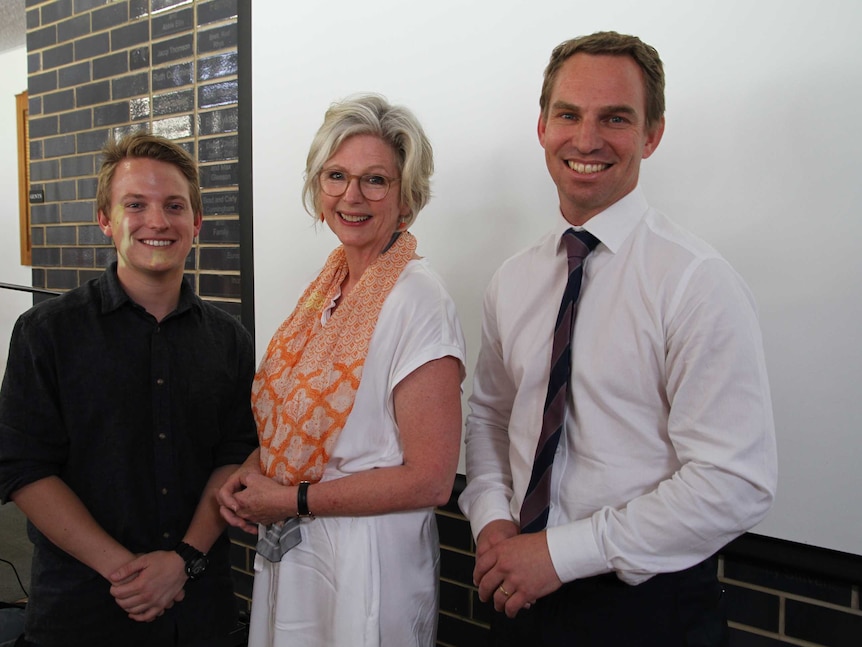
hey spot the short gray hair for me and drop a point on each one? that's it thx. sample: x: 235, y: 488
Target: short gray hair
x: 372, y: 114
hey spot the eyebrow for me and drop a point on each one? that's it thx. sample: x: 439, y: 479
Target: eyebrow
x: 619, y: 109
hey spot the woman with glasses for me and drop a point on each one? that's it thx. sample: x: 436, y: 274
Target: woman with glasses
x: 357, y: 403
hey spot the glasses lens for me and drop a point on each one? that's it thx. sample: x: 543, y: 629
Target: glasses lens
x: 374, y: 187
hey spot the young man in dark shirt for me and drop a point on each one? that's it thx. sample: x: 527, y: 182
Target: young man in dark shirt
x: 124, y: 407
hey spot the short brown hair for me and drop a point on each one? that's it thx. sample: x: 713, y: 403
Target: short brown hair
x: 142, y: 144
x: 610, y: 43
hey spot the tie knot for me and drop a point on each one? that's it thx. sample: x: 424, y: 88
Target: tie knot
x: 579, y: 244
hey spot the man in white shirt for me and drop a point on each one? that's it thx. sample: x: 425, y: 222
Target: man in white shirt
x: 667, y: 450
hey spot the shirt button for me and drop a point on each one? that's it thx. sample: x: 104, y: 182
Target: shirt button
x: 162, y: 436
x: 164, y: 490
x: 160, y: 381
x: 166, y: 535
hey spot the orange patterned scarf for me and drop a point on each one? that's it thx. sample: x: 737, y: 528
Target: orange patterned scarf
x: 303, y: 391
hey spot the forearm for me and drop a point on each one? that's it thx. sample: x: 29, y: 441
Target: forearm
x: 60, y: 515
x: 207, y: 524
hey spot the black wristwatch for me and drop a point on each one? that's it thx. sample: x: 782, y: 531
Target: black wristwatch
x: 196, y: 561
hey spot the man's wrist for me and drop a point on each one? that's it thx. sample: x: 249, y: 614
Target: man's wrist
x: 196, y: 562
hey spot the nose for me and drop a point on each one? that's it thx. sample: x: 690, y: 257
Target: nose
x: 353, y: 193
x: 157, y: 219
x: 586, y: 137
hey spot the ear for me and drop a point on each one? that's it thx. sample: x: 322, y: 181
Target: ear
x: 540, y: 128
x: 653, y: 138
x: 199, y: 221
x: 105, y: 224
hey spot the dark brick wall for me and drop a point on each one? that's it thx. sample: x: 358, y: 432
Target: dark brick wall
x: 102, y: 68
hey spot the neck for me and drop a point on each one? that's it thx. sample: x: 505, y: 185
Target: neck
x: 158, y: 294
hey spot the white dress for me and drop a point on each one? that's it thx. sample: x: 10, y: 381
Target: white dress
x: 367, y: 581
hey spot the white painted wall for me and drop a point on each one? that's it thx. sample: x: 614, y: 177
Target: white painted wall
x: 13, y: 80
x: 760, y: 157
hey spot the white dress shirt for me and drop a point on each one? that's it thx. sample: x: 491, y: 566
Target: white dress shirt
x: 669, y: 445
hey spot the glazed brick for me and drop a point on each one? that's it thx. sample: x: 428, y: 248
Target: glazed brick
x: 243, y: 583
x: 174, y: 127
x: 34, y: 63
x: 58, y: 101
x: 115, y: 113
x: 85, y: 5
x: 752, y: 608
x: 129, y: 35
x: 91, y: 235
x: 822, y: 625
x: 60, y: 191
x: 93, y: 93
x: 59, y: 146
x: 454, y: 532
x: 111, y: 16
x: 87, y: 188
x: 173, y: 102
x: 34, y: 106
x: 44, y: 82
x: 38, y: 278
x: 795, y: 583
x: 78, y: 257
x: 111, y: 65
x: 74, y: 74
x: 74, y: 166
x: 139, y: 108
x: 171, y: 50
x: 456, y: 566
x: 218, y: 94
x: 33, y: 19
x: 41, y: 38
x: 74, y: 122
x: 211, y: 40
x: 173, y: 23
x: 218, y: 148
x: 219, y: 175
x: 92, y: 46
x: 454, y: 599
x: 46, y: 257
x: 61, y: 279
x: 481, y: 611
x: 161, y: 5
x: 105, y: 256
x: 173, y: 76
x: 220, y: 203
x: 57, y: 56
x: 92, y: 141
x: 216, y: 10
x: 73, y: 28
x: 44, y: 214
x: 219, y: 285
x: 35, y: 150
x: 139, y: 58
x: 216, y: 67
x: 57, y: 10
x: 226, y: 259
x: 225, y: 120
x: 43, y: 126
x: 220, y: 231
x: 131, y: 85
x: 138, y: 8
x: 78, y: 211
x: 47, y: 170
x: 37, y: 236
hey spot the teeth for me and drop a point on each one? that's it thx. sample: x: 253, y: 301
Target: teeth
x: 587, y: 169
x: 157, y: 243
x: 349, y: 218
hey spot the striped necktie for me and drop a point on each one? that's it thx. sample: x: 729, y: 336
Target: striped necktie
x: 537, y: 500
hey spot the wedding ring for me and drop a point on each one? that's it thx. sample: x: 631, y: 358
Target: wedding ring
x: 504, y: 591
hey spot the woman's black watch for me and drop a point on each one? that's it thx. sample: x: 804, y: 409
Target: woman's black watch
x: 196, y: 561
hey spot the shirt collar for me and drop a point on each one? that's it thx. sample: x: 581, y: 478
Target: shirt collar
x: 613, y: 225
x: 114, y: 297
